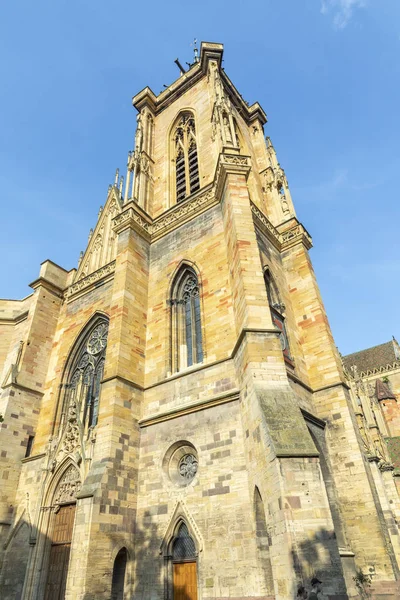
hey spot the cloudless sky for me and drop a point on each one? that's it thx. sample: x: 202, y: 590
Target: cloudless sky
x: 326, y: 73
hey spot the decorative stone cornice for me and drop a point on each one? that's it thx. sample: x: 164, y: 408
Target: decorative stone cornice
x: 135, y: 218
x: 181, y: 213
x: 102, y: 274
x: 265, y: 225
x: 14, y: 320
x: 285, y: 240
x: 230, y: 163
x: 295, y: 235
x: 223, y: 398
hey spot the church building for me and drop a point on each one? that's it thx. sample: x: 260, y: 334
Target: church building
x: 176, y: 420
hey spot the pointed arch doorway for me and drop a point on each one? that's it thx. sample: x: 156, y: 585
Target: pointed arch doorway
x: 184, y: 565
x: 61, y: 538
x: 61, y: 525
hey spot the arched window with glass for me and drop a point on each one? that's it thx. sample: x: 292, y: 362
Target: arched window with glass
x: 84, y: 374
x: 184, y: 560
x: 187, y: 339
x: 187, y: 179
x: 277, y: 313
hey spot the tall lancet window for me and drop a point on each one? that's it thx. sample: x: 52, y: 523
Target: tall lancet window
x: 187, y: 180
x: 187, y: 344
x: 277, y: 310
x: 82, y: 390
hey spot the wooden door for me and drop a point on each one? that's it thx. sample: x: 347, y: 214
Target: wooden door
x: 185, y: 581
x: 59, y: 553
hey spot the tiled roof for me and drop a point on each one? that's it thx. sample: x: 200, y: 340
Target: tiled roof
x: 372, y: 358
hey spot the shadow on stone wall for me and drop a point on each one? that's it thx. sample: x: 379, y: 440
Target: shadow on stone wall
x: 17, y: 549
x: 149, y: 563
x: 144, y: 569
x: 319, y: 557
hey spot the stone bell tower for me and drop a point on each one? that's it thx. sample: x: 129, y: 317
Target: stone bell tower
x: 194, y: 436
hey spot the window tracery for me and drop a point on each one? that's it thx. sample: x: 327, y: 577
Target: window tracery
x: 187, y: 180
x: 85, y: 375
x: 277, y: 309
x: 187, y: 344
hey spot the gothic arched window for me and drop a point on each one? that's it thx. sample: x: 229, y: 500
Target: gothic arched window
x: 277, y: 310
x: 187, y: 345
x: 187, y: 180
x: 85, y: 375
x: 183, y: 547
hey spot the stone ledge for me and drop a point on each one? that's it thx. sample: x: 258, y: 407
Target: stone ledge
x: 33, y: 457
x: 224, y: 398
x: 91, y: 281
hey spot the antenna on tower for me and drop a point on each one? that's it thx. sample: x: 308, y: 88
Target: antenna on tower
x: 195, y: 51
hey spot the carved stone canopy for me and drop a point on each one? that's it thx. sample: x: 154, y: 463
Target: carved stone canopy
x: 383, y: 392
x: 68, y: 486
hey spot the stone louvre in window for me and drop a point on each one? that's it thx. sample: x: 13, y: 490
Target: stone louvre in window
x: 277, y: 309
x: 187, y: 180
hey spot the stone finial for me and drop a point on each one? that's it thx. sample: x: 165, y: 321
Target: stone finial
x: 100, y: 210
x: 90, y: 235
x: 116, y: 177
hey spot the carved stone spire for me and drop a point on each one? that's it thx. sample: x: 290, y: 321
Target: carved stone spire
x: 139, y: 177
x: 275, y: 183
x: 222, y: 116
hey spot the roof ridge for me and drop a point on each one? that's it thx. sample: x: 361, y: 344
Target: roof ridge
x: 390, y: 342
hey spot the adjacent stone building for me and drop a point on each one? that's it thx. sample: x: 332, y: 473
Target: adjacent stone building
x: 374, y: 378
x: 177, y: 421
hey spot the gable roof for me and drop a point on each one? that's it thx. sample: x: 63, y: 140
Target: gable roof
x: 101, y: 248
x: 373, y: 358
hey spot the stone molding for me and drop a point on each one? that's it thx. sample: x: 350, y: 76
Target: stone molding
x: 83, y: 284
x: 48, y: 285
x: 191, y: 408
x: 181, y: 513
x: 151, y: 230
x: 132, y: 217
x: 265, y: 225
x: 181, y: 213
x: 295, y: 235
x: 285, y: 240
x: 230, y: 163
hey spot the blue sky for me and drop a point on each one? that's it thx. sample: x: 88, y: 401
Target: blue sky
x: 325, y: 71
